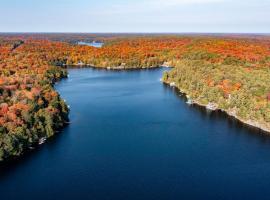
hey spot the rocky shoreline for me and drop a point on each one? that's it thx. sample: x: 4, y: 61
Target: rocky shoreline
x: 231, y: 113
x: 210, y: 106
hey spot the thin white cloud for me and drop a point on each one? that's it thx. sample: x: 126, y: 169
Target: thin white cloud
x: 138, y: 16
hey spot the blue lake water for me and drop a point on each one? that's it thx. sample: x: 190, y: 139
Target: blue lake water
x: 131, y: 137
x: 92, y: 44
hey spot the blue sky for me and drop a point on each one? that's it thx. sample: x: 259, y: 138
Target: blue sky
x: 248, y: 16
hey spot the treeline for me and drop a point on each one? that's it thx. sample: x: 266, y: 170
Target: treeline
x: 30, y: 108
x: 240, y: 91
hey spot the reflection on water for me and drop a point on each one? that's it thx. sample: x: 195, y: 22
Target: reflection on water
x: 92, y: 44
x: 132, y: 137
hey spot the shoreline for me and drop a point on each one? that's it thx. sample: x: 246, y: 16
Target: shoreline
x: 253, y: 124
x: 118, y: 68
x: 40, y: 141
x: 265, y: 130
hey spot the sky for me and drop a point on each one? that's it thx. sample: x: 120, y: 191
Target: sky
x: 167, y: 16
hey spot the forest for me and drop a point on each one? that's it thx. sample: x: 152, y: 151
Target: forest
x: 230, y: 71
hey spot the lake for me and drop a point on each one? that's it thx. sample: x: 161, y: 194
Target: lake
x: 92, y: 44
x: 131, y: 137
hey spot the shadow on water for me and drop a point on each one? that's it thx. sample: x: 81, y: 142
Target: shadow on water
x: 7, y: 167
x: 164, y: 148
x: 232, y: 122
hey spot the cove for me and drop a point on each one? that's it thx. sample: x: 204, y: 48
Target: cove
x: 132, y: 137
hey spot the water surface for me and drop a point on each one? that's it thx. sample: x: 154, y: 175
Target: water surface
x: 92, y: 44
x: 131, y: 137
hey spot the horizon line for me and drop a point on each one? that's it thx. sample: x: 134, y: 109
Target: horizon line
x: 71, y: 32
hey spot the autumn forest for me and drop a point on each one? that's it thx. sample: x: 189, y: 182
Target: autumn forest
x: 226, y: 72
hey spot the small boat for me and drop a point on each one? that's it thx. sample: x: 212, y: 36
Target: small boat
x: 172, y: 84
x: 190, y: 102
x: 41, y: 140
